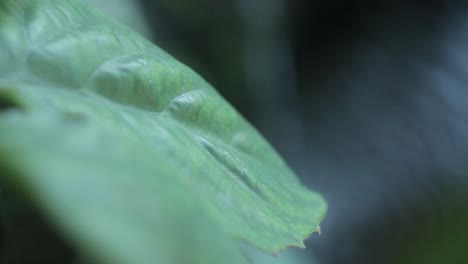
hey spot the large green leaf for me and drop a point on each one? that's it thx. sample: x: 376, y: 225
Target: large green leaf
x: 131, y: 155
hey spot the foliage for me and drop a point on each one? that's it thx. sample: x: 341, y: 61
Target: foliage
x: 129, y: 154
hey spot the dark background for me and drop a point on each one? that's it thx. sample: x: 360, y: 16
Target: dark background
x: 366, y: 100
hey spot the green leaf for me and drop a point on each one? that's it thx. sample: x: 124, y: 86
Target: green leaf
x: 129, y: 153
x: 127, y: 12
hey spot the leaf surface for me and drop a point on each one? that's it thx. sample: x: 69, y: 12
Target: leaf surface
x: 133, y: 156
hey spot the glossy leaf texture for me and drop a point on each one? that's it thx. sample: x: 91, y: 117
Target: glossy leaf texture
x: 129, y: 153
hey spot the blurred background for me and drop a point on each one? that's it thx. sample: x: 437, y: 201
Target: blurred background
x: 366, y: 100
